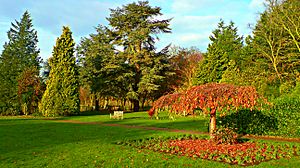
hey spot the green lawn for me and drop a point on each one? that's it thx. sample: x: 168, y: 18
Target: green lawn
x: 197, y: 123
x: 30, y: 142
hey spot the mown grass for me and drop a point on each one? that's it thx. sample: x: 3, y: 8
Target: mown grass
x: 35, y: 142
x: 194, y: 123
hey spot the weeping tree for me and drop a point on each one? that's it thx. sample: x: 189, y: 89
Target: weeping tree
x: 213, y: 99
x: 62, y: 92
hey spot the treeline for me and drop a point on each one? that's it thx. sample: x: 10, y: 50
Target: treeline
x: 119, y: 65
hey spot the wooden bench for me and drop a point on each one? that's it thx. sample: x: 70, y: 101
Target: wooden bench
x: 117, y: 115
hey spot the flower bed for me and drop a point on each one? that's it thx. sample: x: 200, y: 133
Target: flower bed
x: 241, y: 153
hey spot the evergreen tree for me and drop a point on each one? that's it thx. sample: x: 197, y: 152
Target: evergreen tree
x: 19, y: 52
x: 62, y: 92
x: 222, y: 53
x: 135, y: 28
x: 99, y: 68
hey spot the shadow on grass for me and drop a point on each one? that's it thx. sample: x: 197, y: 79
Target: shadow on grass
x: 28, y: 135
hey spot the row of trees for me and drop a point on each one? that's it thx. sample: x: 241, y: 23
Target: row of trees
x: 120, y: 61
x: 270, y: 58
x: 22, y: 90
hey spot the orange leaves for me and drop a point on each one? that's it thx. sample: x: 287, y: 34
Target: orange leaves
x: 212, y: 96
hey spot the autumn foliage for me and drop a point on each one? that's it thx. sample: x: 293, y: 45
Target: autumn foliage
x: 210, y: 98
x: 30, y: 90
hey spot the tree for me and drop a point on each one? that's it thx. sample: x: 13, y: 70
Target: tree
x: 276, y: 41
x: 62, y: 92
x: 211, y: 98
x: 134, y: 28
x: 96, y: 54
x: 225, y: 47
x: 19, y: 52
x: 184, y: 62
x: 30, y: 90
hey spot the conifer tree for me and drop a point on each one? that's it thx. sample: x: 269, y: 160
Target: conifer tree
x: 19, y: 52
x: 134, y: 27
x: 223, y: 52
x: 62, y: 92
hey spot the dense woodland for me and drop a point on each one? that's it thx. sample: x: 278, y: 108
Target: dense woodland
x: 119, y: 66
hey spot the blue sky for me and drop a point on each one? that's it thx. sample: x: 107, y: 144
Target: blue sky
x: 193, y: 20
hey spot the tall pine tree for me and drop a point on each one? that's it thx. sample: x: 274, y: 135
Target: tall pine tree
x: 19, y: 52
x: 222, y: 53
x: 62, y: 93
x: 135, y: 27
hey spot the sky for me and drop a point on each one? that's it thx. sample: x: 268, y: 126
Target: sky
x: 192, y: 23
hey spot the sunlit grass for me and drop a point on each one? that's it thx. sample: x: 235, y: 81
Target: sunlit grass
x: 35, y: 142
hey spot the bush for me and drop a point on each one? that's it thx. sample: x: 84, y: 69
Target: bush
x: 225, y: 135
x: 287, y: 111
x: 250, y: 122
x: 9, y: 111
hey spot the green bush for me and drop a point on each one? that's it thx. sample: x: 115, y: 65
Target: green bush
x: 6, y: 111
x: 249, y: 122
x: 287, y: 111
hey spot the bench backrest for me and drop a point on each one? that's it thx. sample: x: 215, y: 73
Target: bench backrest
x: 118, y: 112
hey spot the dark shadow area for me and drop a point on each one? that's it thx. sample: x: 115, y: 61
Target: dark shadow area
x: 249, y: 122
x: 30, y: 135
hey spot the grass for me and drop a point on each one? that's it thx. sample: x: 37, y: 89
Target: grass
x: 34, y: 142
x: 197, y: 123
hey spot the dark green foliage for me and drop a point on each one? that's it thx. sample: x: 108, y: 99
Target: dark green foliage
x: 134, y: 28
x: 250, y: 122
x: 121, y: 61
x: 223, y: 53
x: 62, y: 93
x: 101, y: 67
x: 19, y: 52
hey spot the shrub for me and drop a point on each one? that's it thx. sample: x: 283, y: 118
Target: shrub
x: 250, y: 122
x: 225, y: 135
x: 287, y: 111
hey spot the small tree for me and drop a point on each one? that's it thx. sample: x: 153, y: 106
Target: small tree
x: 184, y: 62
x: 30, y: 90
x: 211, y: 98
x: 62, y: 93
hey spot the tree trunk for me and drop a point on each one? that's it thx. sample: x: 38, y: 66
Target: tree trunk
x: 212, y: 124
x: 96, y: 103
x: 105, y: 103
x: 136, y: 105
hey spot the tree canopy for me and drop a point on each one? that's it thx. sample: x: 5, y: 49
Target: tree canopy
x: 62, y: 92
x: 20, y: 52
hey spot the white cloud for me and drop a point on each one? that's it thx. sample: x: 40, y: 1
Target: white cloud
x: 257, y: 4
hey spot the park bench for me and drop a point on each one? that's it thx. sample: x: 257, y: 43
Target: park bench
x: 117, y: 115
